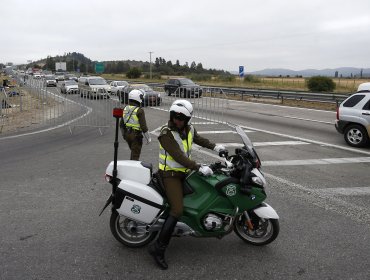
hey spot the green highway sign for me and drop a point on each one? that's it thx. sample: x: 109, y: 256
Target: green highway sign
x: 99, y: 67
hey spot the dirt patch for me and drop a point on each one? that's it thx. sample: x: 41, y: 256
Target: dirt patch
x: 26, y: 108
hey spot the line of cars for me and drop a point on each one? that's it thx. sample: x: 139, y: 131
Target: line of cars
x: 95, y: 87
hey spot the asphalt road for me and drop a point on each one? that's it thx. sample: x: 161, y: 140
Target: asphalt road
x: 52, y: 189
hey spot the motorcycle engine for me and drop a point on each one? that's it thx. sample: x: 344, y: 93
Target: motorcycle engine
x: 212, y: 222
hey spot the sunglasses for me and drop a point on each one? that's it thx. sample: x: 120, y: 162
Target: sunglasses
x: 180, y: 117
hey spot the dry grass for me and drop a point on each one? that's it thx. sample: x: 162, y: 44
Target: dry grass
x: 298, y: 84
x: 25, y: 110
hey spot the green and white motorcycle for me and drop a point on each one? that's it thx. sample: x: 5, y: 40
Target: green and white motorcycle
x: 232, y: 199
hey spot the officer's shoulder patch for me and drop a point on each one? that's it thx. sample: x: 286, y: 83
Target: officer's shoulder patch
x: 164, y: 130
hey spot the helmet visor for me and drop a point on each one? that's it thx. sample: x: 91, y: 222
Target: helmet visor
x: 180, y: 116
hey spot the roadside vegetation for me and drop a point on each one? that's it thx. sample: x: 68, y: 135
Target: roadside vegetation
x: 342, y: 85
x: 162, y: 69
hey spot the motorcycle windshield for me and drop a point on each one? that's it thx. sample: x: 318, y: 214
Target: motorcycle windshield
x: 247, y: 142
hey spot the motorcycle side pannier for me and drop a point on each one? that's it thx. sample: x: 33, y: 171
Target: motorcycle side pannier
x: 138, y: 201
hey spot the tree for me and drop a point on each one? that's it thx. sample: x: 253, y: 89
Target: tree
x: 133, y: 73
x: 320, y: 84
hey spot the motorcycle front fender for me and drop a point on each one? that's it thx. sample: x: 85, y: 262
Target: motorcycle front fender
x: 265, y: 211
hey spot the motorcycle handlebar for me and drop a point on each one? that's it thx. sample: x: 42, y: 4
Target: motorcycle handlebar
x: 224, y: 153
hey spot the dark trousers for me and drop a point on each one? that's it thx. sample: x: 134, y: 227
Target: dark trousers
x: 135, y: 142
x: 173, y: 184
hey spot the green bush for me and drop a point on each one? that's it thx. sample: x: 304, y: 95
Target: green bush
x: 201, y: 77
x: 226, y: 78
x: 133, y: 73
x: 320, y: 84
x: 156, y: 76
x: 251, y: 79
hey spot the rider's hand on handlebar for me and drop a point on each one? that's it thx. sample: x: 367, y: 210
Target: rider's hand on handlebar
x: 219, y: 148
x: 205, y: 170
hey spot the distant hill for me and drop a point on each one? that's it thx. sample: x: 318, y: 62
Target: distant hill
x: 342, y: 71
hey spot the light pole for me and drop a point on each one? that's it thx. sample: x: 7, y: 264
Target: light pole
x: 150, y: 65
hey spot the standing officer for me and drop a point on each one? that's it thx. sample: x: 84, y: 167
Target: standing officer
x: 175, y: 143
x: 133, y: 125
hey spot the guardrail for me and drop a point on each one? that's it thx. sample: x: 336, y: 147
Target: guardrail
x: 279, y: 94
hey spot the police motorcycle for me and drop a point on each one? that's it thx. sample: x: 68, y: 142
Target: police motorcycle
x: 232, y: 199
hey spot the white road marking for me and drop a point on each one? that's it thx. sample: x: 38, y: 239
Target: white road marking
x: 309, y: 120
x: 308, y: 140
x: 320, y: 198
x: 346, y: 191
x: 275, y: 105
x: 220, y: 131
x: 316, y: 161
x: 260, y: 144
x: 204, y: 123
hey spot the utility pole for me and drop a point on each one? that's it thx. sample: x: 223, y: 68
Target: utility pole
x: 150, y: 65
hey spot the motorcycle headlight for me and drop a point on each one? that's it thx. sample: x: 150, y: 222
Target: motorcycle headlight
x: 258, y: 181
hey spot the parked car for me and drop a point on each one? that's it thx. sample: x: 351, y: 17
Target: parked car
x: 151, y: 97
x: 50, y: 81
x: 117, y: 86
x: 69, y: 86
x: 93, y: 87
x: 353, y: 117
x: 183, y: 87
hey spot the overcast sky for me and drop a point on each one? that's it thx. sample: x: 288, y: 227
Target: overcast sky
x: 292, y: 34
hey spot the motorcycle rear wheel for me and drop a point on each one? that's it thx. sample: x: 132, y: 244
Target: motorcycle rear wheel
x: 265, y: 230
x: 129, y: 232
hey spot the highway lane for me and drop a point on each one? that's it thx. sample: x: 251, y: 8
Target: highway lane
x: 52, y: 189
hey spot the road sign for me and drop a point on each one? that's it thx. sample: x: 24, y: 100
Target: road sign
x: 99, y: 67
x: 241, y: 71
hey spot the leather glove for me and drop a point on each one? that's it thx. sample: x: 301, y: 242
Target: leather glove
x: 205, y: 170
x: 147, y: 137
x: 219, y: 148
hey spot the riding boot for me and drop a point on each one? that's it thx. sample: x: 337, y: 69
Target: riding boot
x: 158, y: 249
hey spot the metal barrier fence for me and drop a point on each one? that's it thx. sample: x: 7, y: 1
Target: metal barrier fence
x: 210, y: 106
x: 33, y: 105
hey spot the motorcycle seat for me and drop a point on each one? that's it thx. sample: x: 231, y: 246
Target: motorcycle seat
x: 157, y: 184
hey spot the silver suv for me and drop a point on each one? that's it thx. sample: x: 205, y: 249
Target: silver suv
x: 353, y: 118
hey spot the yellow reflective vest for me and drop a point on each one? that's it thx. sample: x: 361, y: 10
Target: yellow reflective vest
x: 130, y: 117
x: 166, y: 162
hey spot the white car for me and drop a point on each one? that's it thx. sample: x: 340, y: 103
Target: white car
x: 93, y: 87
x: 353, y: 117
x: 117, y: 86
x: 69, y: 86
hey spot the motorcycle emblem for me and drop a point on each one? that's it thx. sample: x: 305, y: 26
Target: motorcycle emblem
x: 231, y: 191
x: 135, y: 209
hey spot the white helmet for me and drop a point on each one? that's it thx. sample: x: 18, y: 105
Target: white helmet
x: 182, y: 109
x: 136, y: 95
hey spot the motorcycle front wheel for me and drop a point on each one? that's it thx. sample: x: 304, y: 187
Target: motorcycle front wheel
x: 264, y: 230
x: 130, y: 232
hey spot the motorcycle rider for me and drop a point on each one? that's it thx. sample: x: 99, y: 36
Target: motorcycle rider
x: 175, y: 144
x: 133, y: 125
